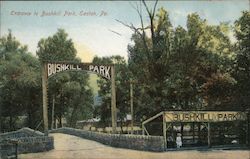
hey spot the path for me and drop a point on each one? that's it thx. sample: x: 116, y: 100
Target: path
x: 71, y: 147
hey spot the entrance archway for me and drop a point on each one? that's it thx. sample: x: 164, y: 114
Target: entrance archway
x: 51, y: 68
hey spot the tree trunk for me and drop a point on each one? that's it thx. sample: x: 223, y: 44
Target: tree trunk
x: 60, y: 121
x: 10, y: 123
x: 55, y: 123
x: 29, y: 118
x: 1, y: 120
x: 71, y: 121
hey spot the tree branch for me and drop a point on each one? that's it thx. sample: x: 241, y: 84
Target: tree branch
x: 155, y: 7
x: 145, y: 5
x: 132, y: 27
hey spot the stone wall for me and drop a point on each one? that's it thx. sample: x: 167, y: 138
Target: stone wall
x: 137, y: 142
x: 24, y: 132
x: 27, y: 140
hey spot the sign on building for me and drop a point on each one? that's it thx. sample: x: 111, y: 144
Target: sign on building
x: 204, y: 116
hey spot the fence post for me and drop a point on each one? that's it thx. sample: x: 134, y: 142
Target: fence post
x: 16, y: 150
x: 208, y: 135
x: 248, y: 128
x: 164, y: 131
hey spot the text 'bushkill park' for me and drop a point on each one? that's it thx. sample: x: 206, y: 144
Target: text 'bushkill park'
x: 102, y: 70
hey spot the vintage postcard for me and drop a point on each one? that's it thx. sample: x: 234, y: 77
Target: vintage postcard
x: 125, y: 79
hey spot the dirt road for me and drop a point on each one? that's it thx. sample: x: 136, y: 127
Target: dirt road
x: 71, y: 147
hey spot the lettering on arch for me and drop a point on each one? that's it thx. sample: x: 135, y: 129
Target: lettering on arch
x: 102, y: 70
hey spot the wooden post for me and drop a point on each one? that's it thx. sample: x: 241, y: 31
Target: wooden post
x: 113, y: 100
x: 143, y: 131
x: 132, y: 107
x: 56, y: 123
x: 164, y: 131
x: 199, y: 131
x: 16, y: 150
x: 208, y: 135
x: 247, y: 134
x: 248, y: 129
x: 53, y: 112
x: 45, y: 98
x: 1, y: 118
x: 193, y: 125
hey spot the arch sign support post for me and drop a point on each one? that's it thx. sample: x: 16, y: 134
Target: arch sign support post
x: 105, y: 71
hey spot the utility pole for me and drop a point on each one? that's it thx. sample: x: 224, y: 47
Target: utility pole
x: 113, y: 101
x: 45, y: 98
x: 131, y: 106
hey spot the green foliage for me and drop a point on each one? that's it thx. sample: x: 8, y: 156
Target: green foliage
x: 242, y: 64
x: 56, y: 48
x: 184, y: 67
x: 20, y: 84
x: 122, y: 77
x: 70, y: 90
x: 20, y: 81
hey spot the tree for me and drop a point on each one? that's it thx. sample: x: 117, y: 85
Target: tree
x: 151, y: 54
x: 180, y: 68
x: 122, y: 77
x: 19, y: 71
x: 56, y: 48
x: 242, y: 69
x: 210, y: 55
x: 78, y: 98
x: 70, y: 90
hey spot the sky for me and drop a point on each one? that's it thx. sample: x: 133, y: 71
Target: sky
x: 92, y: 25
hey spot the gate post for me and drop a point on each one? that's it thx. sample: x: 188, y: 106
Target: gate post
x: 113, y: 100
x: 248, y: 128
x: 208, y: 135
x: 45, y: 97
x: 164, y: 131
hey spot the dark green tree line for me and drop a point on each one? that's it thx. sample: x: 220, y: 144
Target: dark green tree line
x: 122, y: 77
x: 183, y: 69
x: 70, y: 91
x: 20, y: 85
x: 242, y: 62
